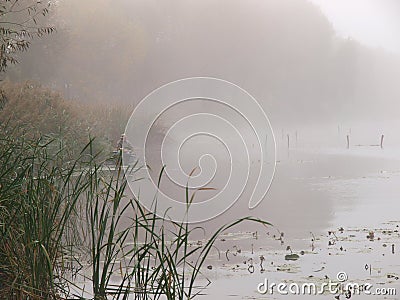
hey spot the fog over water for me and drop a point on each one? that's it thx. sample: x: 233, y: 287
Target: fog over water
x: 316, y: 82
x: 326, y: 73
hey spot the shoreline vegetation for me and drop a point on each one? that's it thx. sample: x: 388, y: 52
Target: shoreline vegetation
x: 64, y: 217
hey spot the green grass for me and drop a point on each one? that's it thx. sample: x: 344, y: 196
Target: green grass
x: 63, y: 219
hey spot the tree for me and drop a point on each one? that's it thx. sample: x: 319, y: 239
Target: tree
x: 19, y: 23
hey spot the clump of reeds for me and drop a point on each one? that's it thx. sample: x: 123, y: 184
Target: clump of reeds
x: 63, y: 221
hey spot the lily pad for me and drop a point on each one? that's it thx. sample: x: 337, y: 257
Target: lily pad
x: 292, y: 257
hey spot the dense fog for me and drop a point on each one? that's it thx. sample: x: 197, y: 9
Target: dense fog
x: 286, y: 53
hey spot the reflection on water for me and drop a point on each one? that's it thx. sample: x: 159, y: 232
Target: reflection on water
x: 315, y: 192
x: 327, y: 203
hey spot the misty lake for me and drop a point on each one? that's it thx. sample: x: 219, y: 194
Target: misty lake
x: 325, y: 203
x: 336, y: 208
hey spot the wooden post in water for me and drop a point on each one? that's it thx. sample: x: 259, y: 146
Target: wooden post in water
x: 296, y: 138
x: 288, y: 141
x: 382, y: 137
x: 348, y: 141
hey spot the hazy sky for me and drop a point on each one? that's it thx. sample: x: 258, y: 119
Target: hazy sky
x: 372, y: 22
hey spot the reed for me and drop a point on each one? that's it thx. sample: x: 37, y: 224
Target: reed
x: 66, y: 220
